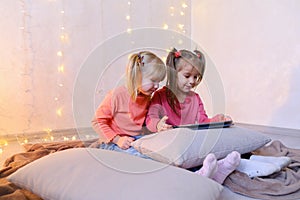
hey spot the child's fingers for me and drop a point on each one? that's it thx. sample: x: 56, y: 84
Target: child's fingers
x: 228, y: 118
x: 164, y: 118
x: 130, y: 139
x: 161, y: 126
x: 168, y: 126
x: 221, y: 117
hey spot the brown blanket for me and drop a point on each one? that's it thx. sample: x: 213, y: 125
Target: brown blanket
x: 9, y: 191
x: 283, y: 185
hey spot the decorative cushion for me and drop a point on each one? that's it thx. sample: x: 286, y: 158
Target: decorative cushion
x: 187, y: 148
x: 90, y: 173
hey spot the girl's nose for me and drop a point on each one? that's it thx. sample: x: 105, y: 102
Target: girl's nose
x: 191, y: 80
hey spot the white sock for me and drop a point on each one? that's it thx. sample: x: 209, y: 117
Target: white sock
x: 281, y: 161
x: 255, y: 168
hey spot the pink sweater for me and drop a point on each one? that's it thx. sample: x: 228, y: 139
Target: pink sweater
x: 191, y: 112
x: 119, y: 115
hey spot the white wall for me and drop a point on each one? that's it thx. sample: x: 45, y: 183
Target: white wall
x: 255, y: 46
x: 32, y: 90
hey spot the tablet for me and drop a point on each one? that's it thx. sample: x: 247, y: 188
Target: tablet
x: 224, y: 124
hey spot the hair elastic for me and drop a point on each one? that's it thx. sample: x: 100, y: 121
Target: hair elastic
x: 198, y: 54
x: 140, y: 59
x: 177, y: 54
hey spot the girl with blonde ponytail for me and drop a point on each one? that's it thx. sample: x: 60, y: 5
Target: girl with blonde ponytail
x: 120, y: 117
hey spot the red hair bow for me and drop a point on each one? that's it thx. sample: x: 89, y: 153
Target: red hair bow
x: 177, y: 54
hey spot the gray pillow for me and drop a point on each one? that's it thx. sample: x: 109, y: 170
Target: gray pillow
x: 93, y: 174
x: 187, y: 148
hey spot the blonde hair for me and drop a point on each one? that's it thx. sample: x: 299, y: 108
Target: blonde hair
x: 144, y: 63
x: 175, y: 62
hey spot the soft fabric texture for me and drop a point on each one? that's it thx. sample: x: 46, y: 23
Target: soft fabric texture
x: 8, y: 190
x: 118, y: 114
x: 283, y: 185
x: 219, y: 170
x: 280, y: 161
x: 209, y: 167
x: 255, y: 168
x: 226, y: 166
x: 187, y: 148
x: 191, y: 110
x: 89, y: 173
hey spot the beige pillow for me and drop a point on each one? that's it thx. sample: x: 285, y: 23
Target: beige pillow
x: 187, y: 148
x: 93, y: 174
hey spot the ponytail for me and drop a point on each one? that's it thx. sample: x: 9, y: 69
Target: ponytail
x: 133, y: 75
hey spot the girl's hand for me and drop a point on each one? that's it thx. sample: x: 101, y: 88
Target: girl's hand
x: 221, y: 118
x: 162, y: 126
x: 124, y: 142
x: 227, y: 118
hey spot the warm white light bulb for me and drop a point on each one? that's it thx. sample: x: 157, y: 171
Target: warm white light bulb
x: 48, y: 130
x: 60, y: 53
x: 172, y: 10
x: 59, y: 112
x: 165, y: 26
x: 180, y: 26
x: 61, y: 68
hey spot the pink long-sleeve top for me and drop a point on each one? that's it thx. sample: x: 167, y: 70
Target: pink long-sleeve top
x: 191, y: 110
x: 118, y: 114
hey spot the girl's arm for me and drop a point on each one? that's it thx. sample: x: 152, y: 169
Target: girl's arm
x: 202, y: 116
x: 155, y: 113
x: 103, y: 119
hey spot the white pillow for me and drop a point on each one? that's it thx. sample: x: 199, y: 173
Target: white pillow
x: 187, y: 148
x: 90, y: 173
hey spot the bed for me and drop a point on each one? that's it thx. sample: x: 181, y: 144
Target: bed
x: 78, y: 170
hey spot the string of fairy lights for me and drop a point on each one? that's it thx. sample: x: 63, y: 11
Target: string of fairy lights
x: 63, y: 40
x: 27, y: 72
x: 176, y: 16
x: 175, y: 11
